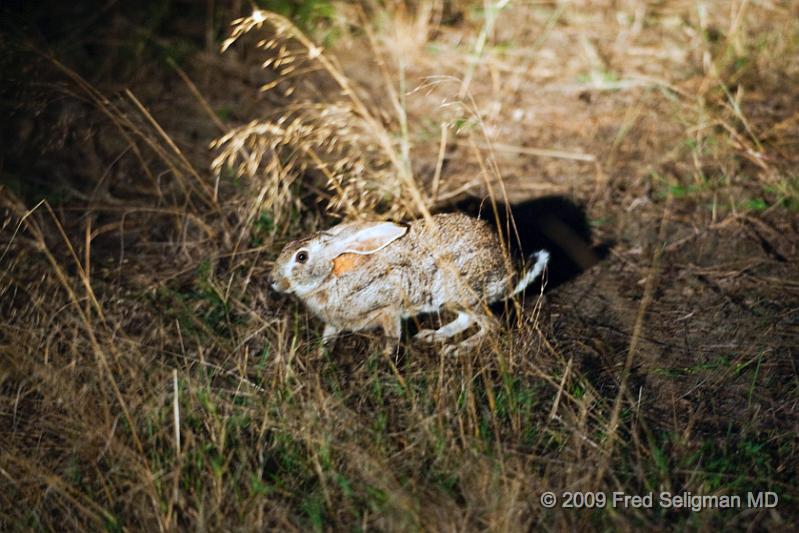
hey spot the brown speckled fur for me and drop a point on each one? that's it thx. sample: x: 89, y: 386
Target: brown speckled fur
x: 455, y: 263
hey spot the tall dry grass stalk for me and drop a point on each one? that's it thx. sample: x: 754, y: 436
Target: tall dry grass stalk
x: 329, y: 131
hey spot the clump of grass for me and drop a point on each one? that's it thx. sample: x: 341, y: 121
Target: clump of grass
x: 329, y: 131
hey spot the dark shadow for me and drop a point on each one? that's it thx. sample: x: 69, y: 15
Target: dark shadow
x: 553, y: 223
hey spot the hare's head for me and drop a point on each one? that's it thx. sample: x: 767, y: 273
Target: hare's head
x: 303, y: 265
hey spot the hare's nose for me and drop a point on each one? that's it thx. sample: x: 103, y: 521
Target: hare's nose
x: 273, y: 282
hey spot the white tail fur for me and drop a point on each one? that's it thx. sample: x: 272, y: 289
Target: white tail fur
x: 541, y: 260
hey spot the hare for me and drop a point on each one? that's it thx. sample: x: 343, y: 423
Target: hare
x: 362, y: 275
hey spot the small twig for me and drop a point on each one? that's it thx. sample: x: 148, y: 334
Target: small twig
x: 176, y: 409
x: 442, y: 148
x: 539, y: 152
x: 556, y: 403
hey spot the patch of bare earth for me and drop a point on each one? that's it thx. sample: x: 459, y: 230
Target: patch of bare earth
x: 149, y: 380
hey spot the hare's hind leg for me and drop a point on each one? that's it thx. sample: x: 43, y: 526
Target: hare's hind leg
x: 486, y: 323
x: 462, y: 322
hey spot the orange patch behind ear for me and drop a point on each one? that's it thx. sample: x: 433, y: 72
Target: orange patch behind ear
x: 347, y: 263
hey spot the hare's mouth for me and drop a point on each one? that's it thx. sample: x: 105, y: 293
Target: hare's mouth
x: 282, y: 288
x: 279, y: 284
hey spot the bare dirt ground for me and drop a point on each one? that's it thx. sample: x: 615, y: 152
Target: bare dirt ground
x: 150, y: 380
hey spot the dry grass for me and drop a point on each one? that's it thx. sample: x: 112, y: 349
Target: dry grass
x: 149, y: 381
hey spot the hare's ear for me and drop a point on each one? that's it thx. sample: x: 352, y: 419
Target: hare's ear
x: 366, y: 238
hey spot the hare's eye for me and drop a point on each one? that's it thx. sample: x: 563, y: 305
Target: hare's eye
x: 302, y: 256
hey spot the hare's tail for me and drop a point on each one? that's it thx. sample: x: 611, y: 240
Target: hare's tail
x: 541, y: 261
x: 551, y: 232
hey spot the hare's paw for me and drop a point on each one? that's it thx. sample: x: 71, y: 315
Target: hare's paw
x: 458, y: 349
x: 391, y: 347
x: 451, y: 349
x: 427, y: 335
x: 461, y: 323
x: 469, y: 343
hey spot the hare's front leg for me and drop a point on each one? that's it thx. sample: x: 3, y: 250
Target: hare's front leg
x: 329, y: 335
x: 461, y: 323
x: 392, y: 327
